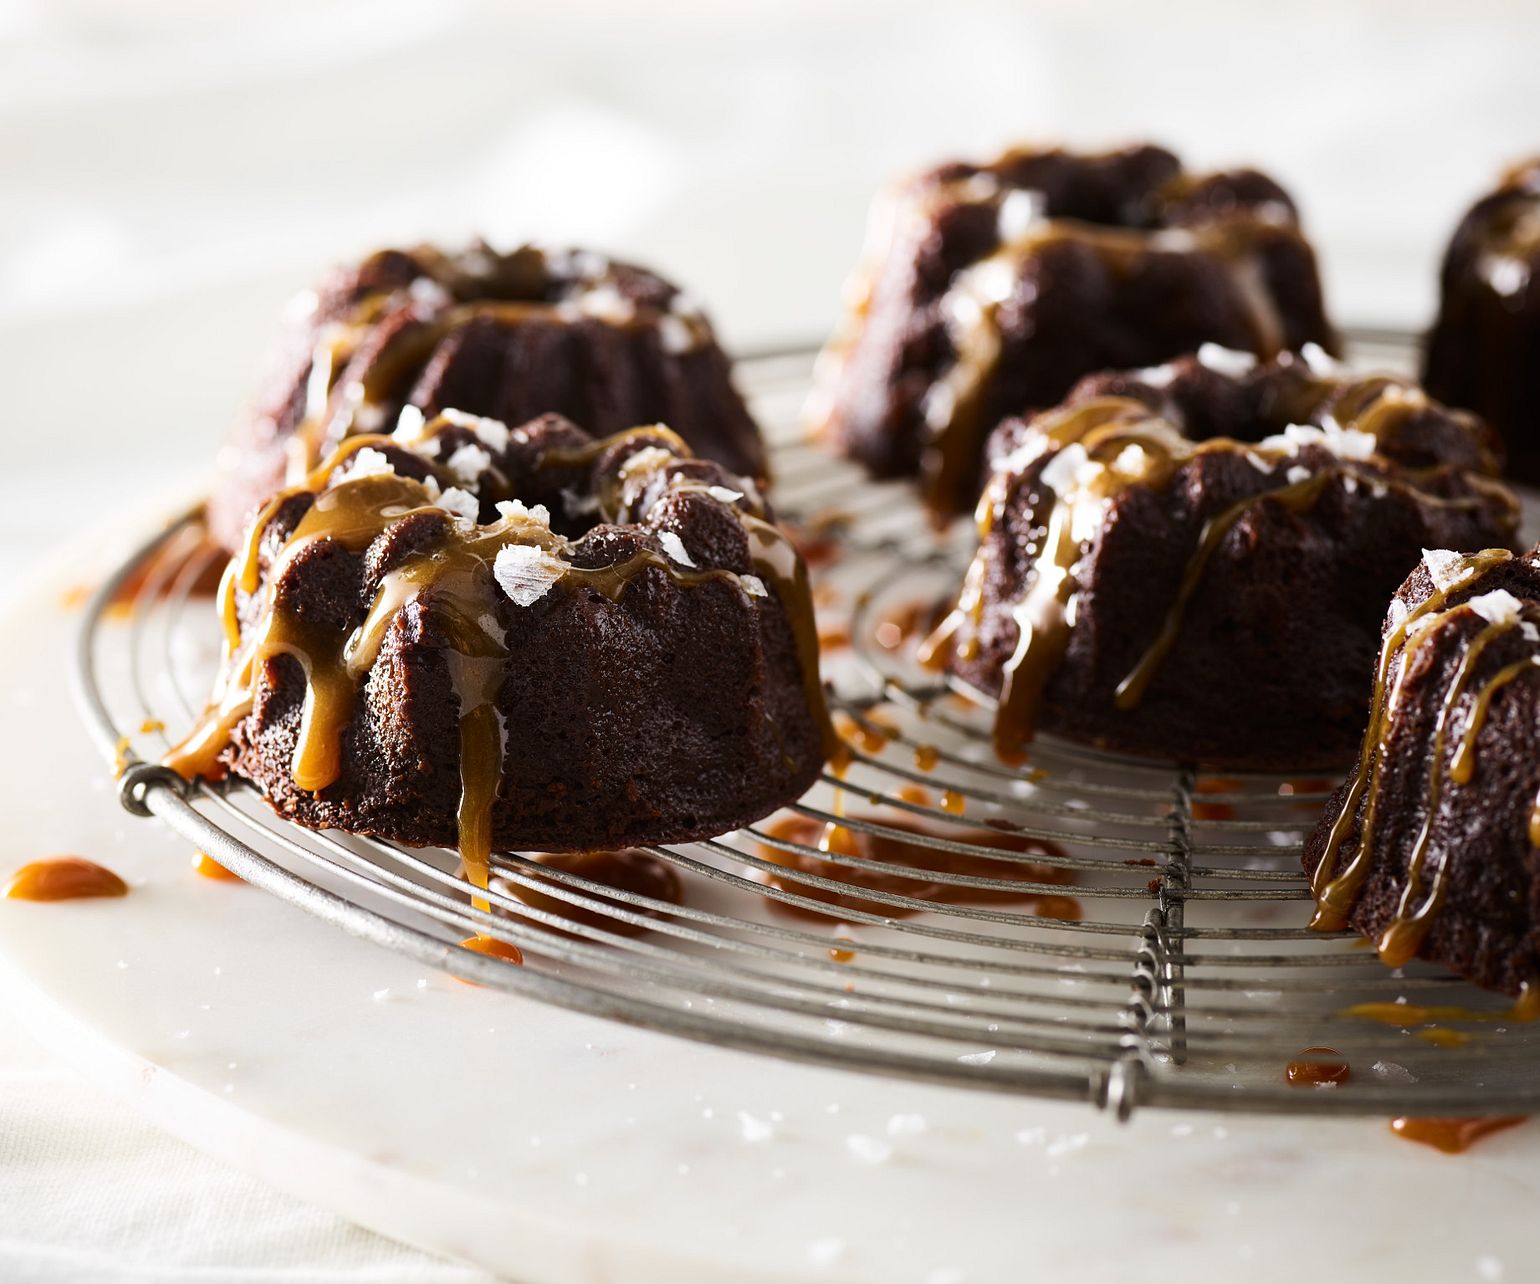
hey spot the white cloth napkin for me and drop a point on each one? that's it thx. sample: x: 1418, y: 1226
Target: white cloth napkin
x: 88, y: 1191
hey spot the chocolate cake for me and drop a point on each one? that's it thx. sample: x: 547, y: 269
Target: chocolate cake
x: 1484, y: 350
x: 989, y: 290
x: 527, y: 638
x: 1432, y: 846
x: 1188, y: 562
x: 405, y: 334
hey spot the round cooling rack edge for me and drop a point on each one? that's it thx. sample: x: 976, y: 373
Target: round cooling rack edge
x: 1121, y: 932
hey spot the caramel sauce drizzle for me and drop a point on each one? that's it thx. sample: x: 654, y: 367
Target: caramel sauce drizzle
x: 1403, y: 936
x: 1297, y: 498
x: 493, y: 948
x: 1441, y: 1036
x: 1525, y: 1008
x: 912, y: 862
x: 627, y: 869
x: 1336, y: 889
x: 63, y: 878
x: 454, y: 577
x: 958, y: 417
x: 333, y: 413
x: 1318, y: 1068
x: 1452, y: 1136
x: 1125, y: 443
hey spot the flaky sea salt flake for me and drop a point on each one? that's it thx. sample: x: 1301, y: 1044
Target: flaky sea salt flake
x: 674, y: 547
x: 526, y: 572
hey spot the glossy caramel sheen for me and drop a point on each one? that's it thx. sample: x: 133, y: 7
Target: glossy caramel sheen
x: 507, y: 290
x: 1337, y: 882
x: 208, y: 867
x: 1317, y: 1068
x: 629, y: 869
x: 1525, y: 1008
x: 1127, y: 444
x: 1336, y: 889
x: 454, y: 578
x: 1452, y: 1136
x: 911, y: 862
x: 493, y: 948
x: 975, y: 295
x: 63, y: 878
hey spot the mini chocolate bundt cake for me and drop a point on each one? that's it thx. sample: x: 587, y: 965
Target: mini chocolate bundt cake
x: 526, y: 638
x: 405, y: 334
x: 1483, y: 352
x: 1432, y: 847
x: 986, y: 290
x: 1187, y: 561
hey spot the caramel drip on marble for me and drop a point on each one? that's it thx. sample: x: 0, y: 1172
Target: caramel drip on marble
x: 1336, y: 890
x: 1452, y: 1136
x: 206, y: 866
x: 1525, y: 1009
x: 454, y: 578
x: 63, y: 878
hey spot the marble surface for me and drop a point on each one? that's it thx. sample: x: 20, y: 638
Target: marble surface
x: 173, y: 170
x: 558, y: 1149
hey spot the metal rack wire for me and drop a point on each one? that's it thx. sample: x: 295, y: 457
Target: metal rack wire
x: 1117, y: 931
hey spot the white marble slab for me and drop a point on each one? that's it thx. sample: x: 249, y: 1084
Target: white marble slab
x: 563, y: 1150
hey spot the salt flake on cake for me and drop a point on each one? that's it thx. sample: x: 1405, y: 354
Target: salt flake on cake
x: 370, y: 462
x: 468, y: 463
x: 492, y: 433
x: 1226, y: 361
x: 518, y: 510
x: 674, y: 547
x: 1445, y: 567
x: 461, y: 503
x: 1345, y: 443
x: 1497, y: 607
x: 526, y: 572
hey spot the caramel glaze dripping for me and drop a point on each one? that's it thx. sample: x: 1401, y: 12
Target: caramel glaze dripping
x: 1403, y: 936
x: 1452, y: 1136
x: 63, y: 878
x: 1126, y: 443
x: 453, y: 577
x: 1465, y: 759
x: 1297, y: 498
x: 976, y: 294
x: 335, y: 410
x: 1336, y: 890
x: 493, y: 948
x: 912, y: 862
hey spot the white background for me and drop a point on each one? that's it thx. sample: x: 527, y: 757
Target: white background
x: 170, y: 172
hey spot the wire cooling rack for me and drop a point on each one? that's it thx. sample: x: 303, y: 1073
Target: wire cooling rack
x: 1116, y: 931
